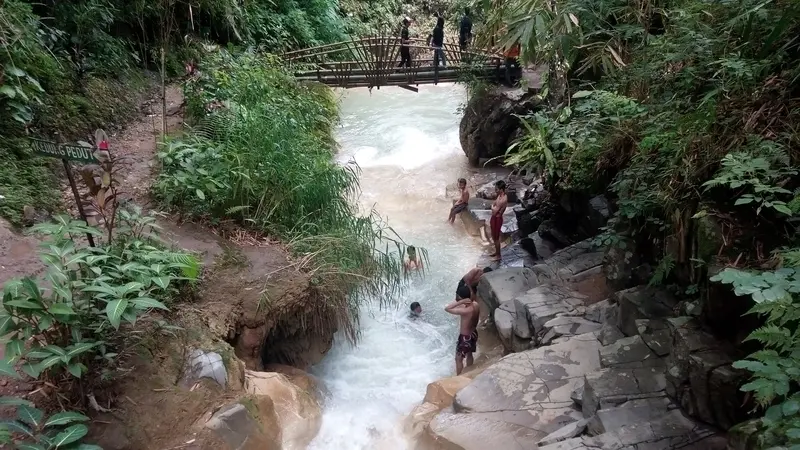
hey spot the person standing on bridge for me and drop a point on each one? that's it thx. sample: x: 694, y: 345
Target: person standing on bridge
x: 405, y: 40
x: 465, y: 32
x: 437, y: 42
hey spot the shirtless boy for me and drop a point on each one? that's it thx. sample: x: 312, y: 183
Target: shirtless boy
x: 413, y: 262
x: 466, y: 306
x: 496, y: 222
x: 468, y: 330
x: 461, y: 203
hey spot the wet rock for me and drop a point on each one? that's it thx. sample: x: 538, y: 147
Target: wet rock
x: 566, y: 432
x: 569, y: 326
x: 544, y: 247
x: 527, y: 221
x: 203, y: 364
x: 477, y: 216
x: 490, y: 121
x: 503, y: 285
x: 629, y: 352
x: 419, y: 417
x: 609, y: 388
x: 642, y: 303
x: 535, y: 196
x: 487, y: 191
x: 744, y: 436
x: 300, y: 378
x: 442, y: 392
x: 249, y: 424
x: 545, y: 302
x: 517, y: 401
x: 510, y: 256
x: 297, y: 412
x: 577, y: 396
x: 511, y: 320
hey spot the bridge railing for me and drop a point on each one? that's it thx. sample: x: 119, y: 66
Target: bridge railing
x: 374, y: 61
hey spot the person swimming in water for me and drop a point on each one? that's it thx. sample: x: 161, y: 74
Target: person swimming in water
x: 416, y: 310
x: 413, y: 262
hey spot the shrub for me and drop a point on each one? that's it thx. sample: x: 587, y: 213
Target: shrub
x: 35, y: 431
x: 262, y: 155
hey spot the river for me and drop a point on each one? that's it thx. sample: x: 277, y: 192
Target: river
x: 408, y: 148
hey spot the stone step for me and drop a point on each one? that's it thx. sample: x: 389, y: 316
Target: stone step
x: 628, y: 353
x: 642, y: 302
x: 628, y: 413
x: 672, y: 431
x: 608, y: 388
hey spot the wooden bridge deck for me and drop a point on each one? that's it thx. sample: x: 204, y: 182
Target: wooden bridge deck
x: 374, y: 62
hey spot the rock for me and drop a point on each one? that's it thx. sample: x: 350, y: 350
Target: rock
x: 527, y: 221
x: 503, y: 285
x: 511, y: 321
x: 604, y: 312
x: 629, y: 352
x: 487, y: 191
x: 642, y: 303
x: 28, y: 215
x: 535, y: 196
x: 744, y: 436
x: 701, y: 379
x: 569, y: 326
x: 619, y: 262
x: 545, y: 302
x: 490, y: 120
x: 550, y: 231
x: 634, y: 411
x: 517, y: 401
x: 419, y: 417
x: 300, y: 378
x: 510, y: 256
x: 544, y: 247
x: 599, y: 211
x: 561, y: 259
x: 297, y: 412
x: 656, y: 335
x: 479, y: 211
x: 566, y: 432
x: 609, y: 334
x: 608, y: 388
x: 577, y: 396
x: 671, y: 431
x: 249, y: 424
x: 442, y: 392
x: 205, y: 365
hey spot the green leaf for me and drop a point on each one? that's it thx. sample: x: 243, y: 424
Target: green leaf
x: 114, y: 310
x: 14, y: 401
x: 75, y: 369
x: 8, y: 91
x: 64, y: 418
x: 782, y: 209
x: 24, y: 304
x: 13, y: 425
x: 14, y: 349
x: 61, y: 309
x: 55, y: 350
x: 30, y: 415
x: 146, y: 302
x: 162, y: 282
x: 32, y: 370
x: 77, y: 349
x: 70, y: 435
x: 87, y: 447
x: 790, y: 407
x: 582, y: 94
x: 773, y: 414
x: 7, y: 370
x: 29, y: 446
x: 6, y: 324
x: 17, y: 72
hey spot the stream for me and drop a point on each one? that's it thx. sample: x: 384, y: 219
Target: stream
x: 408, y: 148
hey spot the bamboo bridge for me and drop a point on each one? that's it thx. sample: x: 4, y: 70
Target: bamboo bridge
x: 374, y: 62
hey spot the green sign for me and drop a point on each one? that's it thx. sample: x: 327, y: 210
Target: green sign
x: 63, y: 151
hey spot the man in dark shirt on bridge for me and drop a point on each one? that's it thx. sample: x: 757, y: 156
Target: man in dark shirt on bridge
x: 405, y: 51
x: 437, y: 42
x: 465, y: 31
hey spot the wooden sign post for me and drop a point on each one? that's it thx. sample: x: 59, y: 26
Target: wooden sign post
x: 67, y: 153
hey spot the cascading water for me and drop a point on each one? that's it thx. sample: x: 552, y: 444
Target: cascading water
x: 408, y: 148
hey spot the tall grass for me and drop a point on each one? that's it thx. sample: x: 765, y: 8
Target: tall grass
x: 262, y: 155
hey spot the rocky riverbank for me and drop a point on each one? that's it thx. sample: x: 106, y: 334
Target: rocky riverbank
x: 631, y: 371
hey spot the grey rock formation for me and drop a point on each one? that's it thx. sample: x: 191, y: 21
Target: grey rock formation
x: 642, y: 303
x: 501, y: 286
x: 490, y: 121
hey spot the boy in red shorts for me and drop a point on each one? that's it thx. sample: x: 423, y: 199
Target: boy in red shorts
x: 496, y: 221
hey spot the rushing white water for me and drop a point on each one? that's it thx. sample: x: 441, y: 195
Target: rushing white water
x: 407, y: 146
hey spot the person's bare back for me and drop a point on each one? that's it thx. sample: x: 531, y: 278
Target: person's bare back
x: 469, y: 322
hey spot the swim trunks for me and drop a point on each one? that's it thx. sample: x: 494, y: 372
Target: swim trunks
x: 467, y: 344
x: 496, y: 224
x: 463, y: 291
x: 459, y: 208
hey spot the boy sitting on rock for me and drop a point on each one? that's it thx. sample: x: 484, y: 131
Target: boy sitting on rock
x: 461, y: 203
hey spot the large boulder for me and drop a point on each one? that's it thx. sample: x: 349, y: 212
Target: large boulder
x: 518, y: 401
x: 490, y: 120
x: 503, y: 285
x: 442, y: 392
x: 248, y: 424
x: 297, y: 412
